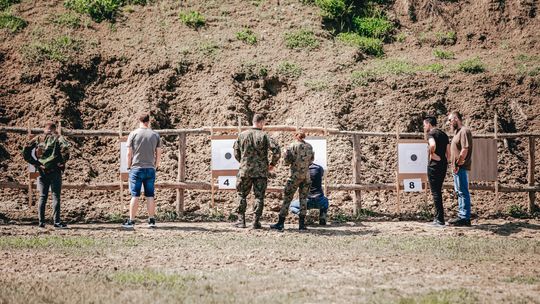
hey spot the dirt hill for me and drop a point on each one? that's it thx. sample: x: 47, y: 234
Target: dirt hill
x: 479, y: 57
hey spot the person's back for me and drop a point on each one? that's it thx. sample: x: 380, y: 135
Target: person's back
x: 251, y: 150
x: 299, y: 156
x: 143, y: 142
x: 441, y: 143
x: 316, y: 173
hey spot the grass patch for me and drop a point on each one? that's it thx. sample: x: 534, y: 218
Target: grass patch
x: 152, y: 278
x: 521, y: 279
x: 527, y: 65
x: 289, y: 70
x: 472, y: 66
x: 374, y: 27
x: 448, y: 296
x: 316, y: 85
x: 442, y: 54
x: 209, y: 49
x: 11, y: 22
x: 302, y: 39
x: 370, y: 46
x: 401, y: 37
x: 446, y: 38
x: 67, y: 20
x: 434, y: 68
x: 98, y: 10
x: 4, y: 4
x: 46, y: 242
x: 517, y: 211
x: 247, y: 36
x: 60, y: 49
x: 192, y: 19
x: 251, y: 70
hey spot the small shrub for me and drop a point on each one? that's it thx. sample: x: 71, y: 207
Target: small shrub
x: 59, y: 49
x: 303, y: 39
x: 289, y: 70
x: 442, y: 54
x: 527, y: 65
x: 472, y: 66
x: 374, y: 27
x: 316, y: 85
x: 334, y: 9
x: 11, y: 22
x: 67, y: 20
x: 209, y: 48
x: 370, y: 46
x: 192, y: 19
x: 446, y: 38
x: 434, y: 68
x: 4, y: 4
x: 401, y: 37
x: 252, y: 70
x: 517, y: 211
x: 98, y: 10
x: 381, y: 68
x: 247, y: 36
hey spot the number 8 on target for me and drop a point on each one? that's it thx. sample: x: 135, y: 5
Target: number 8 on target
x: 227, y: 182
x: 412, y: 185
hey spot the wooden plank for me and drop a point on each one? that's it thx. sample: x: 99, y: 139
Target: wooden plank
x: 530, y: 175
x: 30, y: 175
x: 181, y: 176
x: 357, y: 199
x: 484, y: 160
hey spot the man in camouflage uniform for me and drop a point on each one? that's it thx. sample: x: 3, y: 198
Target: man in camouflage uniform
x: 51, y: 155
x: 299, y: 155
x: 251, y: 150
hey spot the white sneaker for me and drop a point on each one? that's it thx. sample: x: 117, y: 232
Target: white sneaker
x: 151, y: 222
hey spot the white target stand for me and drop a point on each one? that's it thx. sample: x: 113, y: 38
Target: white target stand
x: 224, y: 165
x: 413, y: 157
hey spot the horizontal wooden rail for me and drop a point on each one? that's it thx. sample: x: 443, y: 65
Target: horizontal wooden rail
x: 234, y: 129
x: 205, y: 186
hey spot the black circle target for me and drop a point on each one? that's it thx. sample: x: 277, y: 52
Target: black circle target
x: 228, y: 155
x: 414, y: 157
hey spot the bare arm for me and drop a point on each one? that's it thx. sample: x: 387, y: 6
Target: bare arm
x: 129, y: 157
x: 432, y: 148
x: 462, y: 155
x: 447, y: 152
x: 158, y: 157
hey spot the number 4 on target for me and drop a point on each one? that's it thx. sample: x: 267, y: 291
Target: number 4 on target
x: 227, y: 182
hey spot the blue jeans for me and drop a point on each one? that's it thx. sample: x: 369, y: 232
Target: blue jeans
x: 139, y: 177
x: 461, y: 186
x: 317, y: 203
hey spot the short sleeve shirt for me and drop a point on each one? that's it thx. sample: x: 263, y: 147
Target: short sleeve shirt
x: 441, y: 142
x: 143, y: 142
x: 462, y: 139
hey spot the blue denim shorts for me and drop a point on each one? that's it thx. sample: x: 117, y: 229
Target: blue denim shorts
x: 139, y: 177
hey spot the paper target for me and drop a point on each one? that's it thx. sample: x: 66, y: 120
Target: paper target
x: 223, y: 155
x: 123, y: 157
x: 319, y: 147
x: 412, y: 157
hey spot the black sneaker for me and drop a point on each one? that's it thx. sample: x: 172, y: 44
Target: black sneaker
x: 60, y: 225
x: 151, y: 222
x: 322, y: 222
x: 128, y: 224
x: 460, y: 222
x: 41, y: 225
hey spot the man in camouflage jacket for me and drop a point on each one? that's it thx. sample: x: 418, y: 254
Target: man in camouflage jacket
x: 51, y: 155
x: 299, y: 155
x: 251, y: 150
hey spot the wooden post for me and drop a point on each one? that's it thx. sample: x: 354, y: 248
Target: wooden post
x: 356, y: 174
x: 530, y: 174
x: 30, y: 184
x: 120, y: 197
x: 181, y: 174
x: 325, y: 176
x: 495, y: 129
x: 212, y: 203
x: 398, y: 200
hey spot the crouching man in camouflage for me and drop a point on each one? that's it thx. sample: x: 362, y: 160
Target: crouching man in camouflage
x: 298, y: 156
x: 51, y: 155
x: 251, y: 150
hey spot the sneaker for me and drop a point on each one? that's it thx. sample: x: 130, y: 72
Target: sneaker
x: 460, y: 222
x: 436, y: 223
x: 59, y: 225
x: 322, y: 222
x: 41, y: 225
x: 128, y: 224
x: 151, y: 222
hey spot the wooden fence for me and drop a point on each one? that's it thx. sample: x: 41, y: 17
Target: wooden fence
x: 181, y: 184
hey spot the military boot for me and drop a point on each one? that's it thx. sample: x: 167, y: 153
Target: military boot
x: 280, y: 225
x: 256, y: 222
x: 302, y: 222
x: 322, y: 217
x: 241, y: 223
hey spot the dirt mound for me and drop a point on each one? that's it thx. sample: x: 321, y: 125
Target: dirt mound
x: 187, y: 78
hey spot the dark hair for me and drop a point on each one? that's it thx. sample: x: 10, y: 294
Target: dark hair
x: 458, y: 115
x: 300, y: 135
x: 431, y: 120
x: 257, y: 118
x: 50, y: 125
x: 144, y: 117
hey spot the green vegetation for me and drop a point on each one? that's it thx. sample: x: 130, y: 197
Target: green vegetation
x: 401, y: 37
x: 434, y: 68
x: 517, y: 211
x: 4, y: 4
x: 316, y: 85
x: 446, y: 38
x: 370, y: 46
x: 100, y: 10
x: 192, y: 19
x: 289, y: 70
x: 374, y: 27
x: 302, y: 39
x: 253, y: 70
x: 528, y: 65
x: 152, y: 278
x: 461, y: 296
x: 521, y: 279
x: 391, y: 66
x: 60, y: 49
x: 44, y: 242
x: 247, y: 36
x: 442, y: 54
x: 67, y: 19
x: 472, y: 66
x: 209, y: 48
x: 11, y: 22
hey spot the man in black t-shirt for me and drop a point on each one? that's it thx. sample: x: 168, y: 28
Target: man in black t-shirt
x: 439, y: 151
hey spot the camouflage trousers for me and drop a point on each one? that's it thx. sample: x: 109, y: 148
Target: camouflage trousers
x: 243, y: 187
x: 303, y: 185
